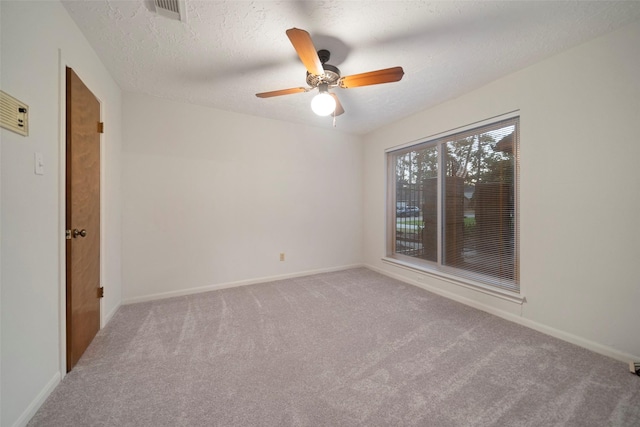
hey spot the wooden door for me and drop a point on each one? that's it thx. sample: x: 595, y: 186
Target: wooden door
x: 82, y: 217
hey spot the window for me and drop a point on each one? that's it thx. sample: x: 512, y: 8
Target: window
x: 453, y: 205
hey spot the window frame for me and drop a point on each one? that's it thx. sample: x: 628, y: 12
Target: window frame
x: 438, y: 269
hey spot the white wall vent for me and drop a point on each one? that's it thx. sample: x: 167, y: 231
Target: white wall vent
x: 173, y: 9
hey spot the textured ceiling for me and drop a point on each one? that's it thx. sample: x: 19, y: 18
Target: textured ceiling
x: 227, y: 51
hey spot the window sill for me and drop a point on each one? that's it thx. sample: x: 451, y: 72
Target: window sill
x: 478, y: 287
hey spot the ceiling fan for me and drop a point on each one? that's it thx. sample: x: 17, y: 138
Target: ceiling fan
x: 325, y: 76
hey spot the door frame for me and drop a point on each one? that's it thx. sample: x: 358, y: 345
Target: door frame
x: 63, y: 63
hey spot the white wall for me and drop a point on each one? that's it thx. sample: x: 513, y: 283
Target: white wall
x: 580, y: 191
x: 32, y: 34
x: 213, y: 197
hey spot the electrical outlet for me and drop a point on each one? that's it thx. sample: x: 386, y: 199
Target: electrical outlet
x: 282, y: 256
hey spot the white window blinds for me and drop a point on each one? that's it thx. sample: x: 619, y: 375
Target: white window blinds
x: 456, y: 204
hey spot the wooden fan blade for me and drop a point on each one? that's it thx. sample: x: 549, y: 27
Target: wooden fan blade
x: 388, y: 75
x: 281, y: 92
x: 339, y: 110
x: 301, y: 41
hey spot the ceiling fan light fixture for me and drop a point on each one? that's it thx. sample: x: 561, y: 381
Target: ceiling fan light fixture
x: 323, y: 103
x: 323, y: 76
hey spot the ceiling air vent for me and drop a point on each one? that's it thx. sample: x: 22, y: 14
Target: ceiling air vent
x: 173, y: 9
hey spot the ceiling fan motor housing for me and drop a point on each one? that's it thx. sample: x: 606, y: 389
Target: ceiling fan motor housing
x: 330, y: 77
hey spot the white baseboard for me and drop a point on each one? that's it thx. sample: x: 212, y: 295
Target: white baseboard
x: 110, y: 314
x: 208, y: 288
x: 547, y: 330
x: 38, y: 401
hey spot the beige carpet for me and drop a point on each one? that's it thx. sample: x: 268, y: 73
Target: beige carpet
x: 350, y: 348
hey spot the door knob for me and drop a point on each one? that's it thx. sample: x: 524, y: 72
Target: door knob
x: 81, y: 233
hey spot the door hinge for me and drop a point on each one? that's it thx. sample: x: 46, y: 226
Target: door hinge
x: 100, y: 127
x: 101, y: 292
x: 67, y: 234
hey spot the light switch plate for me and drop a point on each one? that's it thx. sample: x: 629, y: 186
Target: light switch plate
x: 39, y: 163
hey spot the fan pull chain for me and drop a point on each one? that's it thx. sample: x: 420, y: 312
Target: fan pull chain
x: 334, y: 118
